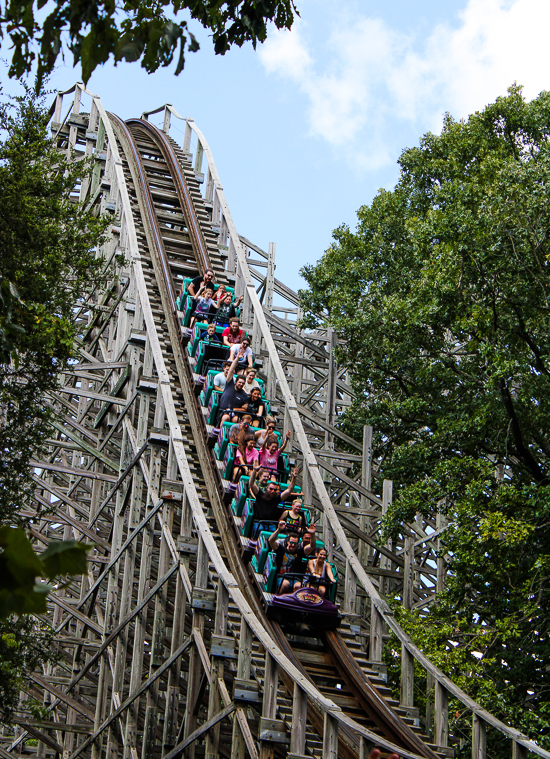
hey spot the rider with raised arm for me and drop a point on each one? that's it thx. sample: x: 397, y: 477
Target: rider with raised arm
x: 267, y: 504
x: 289, y: 556
x: 234, y: 398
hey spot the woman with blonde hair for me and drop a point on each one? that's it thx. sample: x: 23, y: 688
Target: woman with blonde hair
x: 294, y: 517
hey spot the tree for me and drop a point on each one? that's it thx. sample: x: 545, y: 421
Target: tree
x: 442, y: 298
x: 48, y: 258
x: 132, y: 30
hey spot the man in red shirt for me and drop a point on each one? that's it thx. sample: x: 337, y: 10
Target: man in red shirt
x: 233, y: 334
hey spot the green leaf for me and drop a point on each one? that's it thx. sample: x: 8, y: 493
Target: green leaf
x: 65, y: 557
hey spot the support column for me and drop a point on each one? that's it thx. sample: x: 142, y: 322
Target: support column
x: 330, y: 737
x: 269, y: 703
x: 366, y: 482
x: 217, y: 671
x: 479, y: 738
x: 441, y: 708
x: 270, y: 276
x: 299, y: 720
x: 376, y: 632
x: 350, y: 589
x: 243, y: 673
x: 195, y: 665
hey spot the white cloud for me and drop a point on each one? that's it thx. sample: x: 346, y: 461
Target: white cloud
x: 370, y: 76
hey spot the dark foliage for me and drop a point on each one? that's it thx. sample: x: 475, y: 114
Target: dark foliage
x: 442, y: 296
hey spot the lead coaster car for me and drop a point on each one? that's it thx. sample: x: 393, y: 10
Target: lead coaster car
x: 304, y: 606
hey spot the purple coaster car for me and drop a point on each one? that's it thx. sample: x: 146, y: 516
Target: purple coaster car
x: 305, y: 605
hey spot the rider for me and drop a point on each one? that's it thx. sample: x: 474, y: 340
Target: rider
x: 319, y: 572
x: 289, y: 555
x: 267, y: 506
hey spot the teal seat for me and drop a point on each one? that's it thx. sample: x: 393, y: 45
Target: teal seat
x: 229, y: 461
x: 207, y: 352
x: 199, y: 327
x: 213, y: 407
x: 208, y: 387
x: 223, y: 439
x: 187, y: 307
x: 247, y: 517
x: 241, y: 494
x: 261, y: 551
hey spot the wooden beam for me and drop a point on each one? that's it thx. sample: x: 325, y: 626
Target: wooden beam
x: 178, y: 750
x: 72, y: 471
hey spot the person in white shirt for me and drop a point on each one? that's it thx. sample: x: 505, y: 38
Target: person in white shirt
x: 250, y: 381
x: 221, y: 378
x: 247, y: 355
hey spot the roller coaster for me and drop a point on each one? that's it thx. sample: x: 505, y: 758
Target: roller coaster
x: 167, y: 647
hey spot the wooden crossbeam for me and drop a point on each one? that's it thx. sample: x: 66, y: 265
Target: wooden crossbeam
x: 90, y: 394
x: 130, y: 700
x: 76, y: 368
x: 74, y: 612
x: 62, y: 696
x: 178, y: 750
x: 126, y: 621
x: 131, y: 537
x: 73, y: 471
x: 118, y: 482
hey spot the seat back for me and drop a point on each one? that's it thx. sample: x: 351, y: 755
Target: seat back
x: 209, y: 352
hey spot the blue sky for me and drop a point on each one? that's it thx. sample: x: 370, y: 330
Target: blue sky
x: 307, y: 128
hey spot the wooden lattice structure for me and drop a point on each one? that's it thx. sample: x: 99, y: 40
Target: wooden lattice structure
x: 166, y: 647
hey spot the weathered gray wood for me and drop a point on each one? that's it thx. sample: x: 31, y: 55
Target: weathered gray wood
x: 269, y: 702
x: 441, y: 715
x: 407, y: 678
x: 479, y: 738
x: 243, y: 673
x: 518, y: 751
x: 197, y: 656
x: 350, y: 589
x: 330, y: 737
x: 376, y: 631
x: 217, y: 672
x: 299, y: 718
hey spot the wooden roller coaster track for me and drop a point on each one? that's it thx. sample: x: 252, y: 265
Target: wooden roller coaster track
x: 165, y: 647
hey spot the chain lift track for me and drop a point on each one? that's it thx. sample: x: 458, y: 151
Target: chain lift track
x: 165, y: 647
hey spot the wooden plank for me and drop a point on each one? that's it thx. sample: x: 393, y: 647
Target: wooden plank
x: 130, y: 700
x: 304, y: 411
x: 201, y: 648
x: 73, y: 471
x: 75, y: 368
x: 75, y: 613
x: 177, y: 750
x: 85, y: 446
x: 48, y: 725
x: 129, y: 618
x: 242, y: 720
x: 90, y: 394
x: 62, y: 696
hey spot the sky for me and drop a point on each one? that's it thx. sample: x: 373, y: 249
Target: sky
x: 308, y: 127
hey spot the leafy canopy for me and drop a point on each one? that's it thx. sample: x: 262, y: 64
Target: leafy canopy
x: 48, y: 257
x: 131, y: 30
x: 20, y: 566
x: 442, y: 298
x: 48, y: 260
